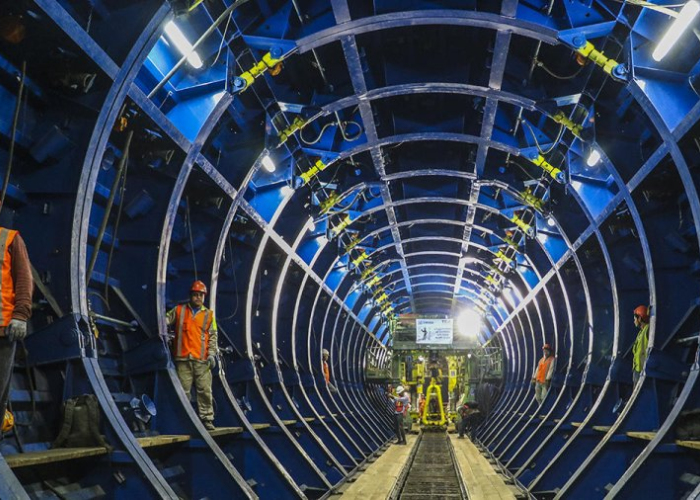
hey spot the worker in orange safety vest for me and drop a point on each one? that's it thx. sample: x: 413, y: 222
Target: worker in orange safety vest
x: 194, y: 348
x: 15, y: 310
x: 542, y: 377
x: 327, y: 371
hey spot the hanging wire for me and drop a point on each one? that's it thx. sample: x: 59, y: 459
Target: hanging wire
x: 122, y: 192
x: 235, y: 281
x: 540, y: 64
x: 189, y: 231
x: 223, y: 39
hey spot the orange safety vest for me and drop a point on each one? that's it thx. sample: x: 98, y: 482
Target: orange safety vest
x: 326, y: 372
x: 543, y: 368
x: 192, y: 332
x: 399, y: 406
x: 7, y: 286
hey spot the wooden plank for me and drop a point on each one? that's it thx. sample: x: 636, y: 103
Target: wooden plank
x: 647, y: 436
x: 258, y: 427
x: 289, y: 422
x: 151, y: 441
x: 602, y: 428
x: 51, y: 456
x: 576, y: 424
x: 695, y: 445
x: 482, y: 480
x: 225, y: 431
x: 309, y: 419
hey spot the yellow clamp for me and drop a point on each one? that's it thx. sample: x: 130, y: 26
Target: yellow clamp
x: 589, y: 52
x: 524, y: 226
x: 247, y: 78
x: 356, y: 239
x: 511, y: 243
x: 553, y: 171
x: 329, y: 202
x: 318, y: 167
x: 564, y: 120
x: 373, y: 281
x: 378, y: 291
x: 382, y: 298
x: 285, y: 134
x: 491, y: 280
x: 365, y: 274
x: 503, y: 257
x: 496, y: 270
x: 356, y: 261
x: 386, y: 308
x: 336, y: 230
x: 532, y: 200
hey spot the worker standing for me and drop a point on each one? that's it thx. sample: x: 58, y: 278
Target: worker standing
x: 327, y: 371
x: 401, y: 403
x: 463, y: 414
x: 542, y: 378
x: 195, y: 349
x: 16, y: 288
x: 641, y: 343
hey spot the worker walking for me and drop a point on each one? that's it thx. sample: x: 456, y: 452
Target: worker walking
x: 542, y: 378
x: 641, y: 343
x: 401, y: 403
x: 195, y: 349
x: 16, y: 288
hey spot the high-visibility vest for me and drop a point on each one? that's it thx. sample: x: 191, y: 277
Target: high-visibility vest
x: 399, y: 406
x: 326, y: 372
x: 639, y: 348
x: 7, y: 286
x: 192, y: 332
x: 543, y: 368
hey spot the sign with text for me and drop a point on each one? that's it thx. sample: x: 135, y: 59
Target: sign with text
x: 433, y: 331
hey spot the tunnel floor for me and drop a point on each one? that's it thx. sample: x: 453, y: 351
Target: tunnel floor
x: 423, y: 469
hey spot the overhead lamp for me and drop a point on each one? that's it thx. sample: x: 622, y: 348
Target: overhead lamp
x: 469, y: 323
x: 677, y: 28
x: 267, y: 163
x: 551, y: 222
x: 593, y: 157
x: 182, y: 44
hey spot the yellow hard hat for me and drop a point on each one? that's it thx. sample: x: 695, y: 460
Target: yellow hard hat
x: 8, y: 422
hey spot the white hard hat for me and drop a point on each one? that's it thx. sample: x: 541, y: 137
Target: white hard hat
x: 399, y: 389
x: 325, y: 352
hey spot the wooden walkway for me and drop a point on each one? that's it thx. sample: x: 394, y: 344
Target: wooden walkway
x: 483, y: 482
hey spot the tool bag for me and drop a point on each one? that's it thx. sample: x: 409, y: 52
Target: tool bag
x: 81, y: 424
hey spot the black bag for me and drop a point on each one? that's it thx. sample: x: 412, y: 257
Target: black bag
x: 688, y: 425
x: 81, y: 424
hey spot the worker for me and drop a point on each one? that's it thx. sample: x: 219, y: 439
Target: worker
x: 462, y: 414
x: 542, y: 378
x: 327, y: 371
x: 401, y: 404
x: 15, y: 310
x: 195, y: 349
x: 641, y: 343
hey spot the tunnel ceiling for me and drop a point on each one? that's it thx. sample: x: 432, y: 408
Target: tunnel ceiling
x: 401, y: 157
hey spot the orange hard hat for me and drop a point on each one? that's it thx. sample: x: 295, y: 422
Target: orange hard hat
x: 547, y: 346
x: 642, y: 312
x: 8, y: 422
x: 198, y: 286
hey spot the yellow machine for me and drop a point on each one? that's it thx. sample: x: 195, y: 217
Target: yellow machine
x: 433, y: 411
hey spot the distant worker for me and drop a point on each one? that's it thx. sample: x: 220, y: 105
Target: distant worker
x: 327, y: 371
x: 641, y: 343
x: 15, y: 310
x: 195, y: 349
x: 462, y: 415
x: 401, y: 404
x: 542, y: 378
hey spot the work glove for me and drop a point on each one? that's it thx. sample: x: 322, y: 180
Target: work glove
x: 16, y: 330
x: 212, y: 361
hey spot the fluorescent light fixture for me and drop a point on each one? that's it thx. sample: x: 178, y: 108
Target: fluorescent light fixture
x: 469, y: 323
x: 677, y: 28
x: 267, y: 163
x: 287, y: 190
x: 311, y: 224
x: 182, y: 44
x: 551, y: 222
x: 593, y: 158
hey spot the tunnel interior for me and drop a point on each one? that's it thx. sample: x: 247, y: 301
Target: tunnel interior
x: 325, y: 168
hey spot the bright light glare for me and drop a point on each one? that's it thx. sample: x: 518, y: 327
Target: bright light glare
x: 267, y: 163
x: 551, y: 222
x: 311, y: 224
x: 182, y: 44
x: 677, y: 28
x: 469, y: 323
x: 287, y: 191
x: 593, y: 158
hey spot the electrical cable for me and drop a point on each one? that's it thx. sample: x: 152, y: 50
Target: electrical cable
x: 223, y: 39
x: 235, y: 283
x: 15, y: 121
x: 189, y: 231
x: 117, y: 223
x: 540, y: 64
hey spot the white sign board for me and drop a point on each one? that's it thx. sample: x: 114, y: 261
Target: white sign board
x: 433, y: 331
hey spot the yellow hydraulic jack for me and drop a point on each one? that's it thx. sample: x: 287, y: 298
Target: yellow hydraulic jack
x: 433, y: 418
